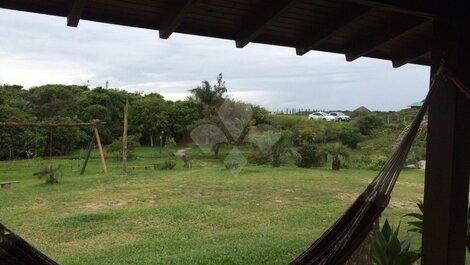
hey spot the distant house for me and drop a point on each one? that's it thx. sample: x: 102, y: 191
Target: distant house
x: 361, y: 110
x: 416, y: 105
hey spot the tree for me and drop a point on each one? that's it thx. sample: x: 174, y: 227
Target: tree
x: 64, y: 140
x: 18, y: 142
x: 150, y: 116
x: 55, y: 100
x: 336, y: 151
x: 106, y: 105
x: 182, y: 115
x: 209, y: 97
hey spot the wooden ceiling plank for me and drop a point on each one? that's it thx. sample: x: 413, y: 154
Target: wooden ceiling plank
x: 421, y: 8
x: 412, y: 54
x: 372, y: 44
x: 268, y: 17
x: 169, y: 26
x: 75, y: 13
x: 317, y: 38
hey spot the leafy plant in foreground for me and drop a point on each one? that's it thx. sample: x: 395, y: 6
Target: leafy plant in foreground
x: 50, y: 173
x: 389, y: 250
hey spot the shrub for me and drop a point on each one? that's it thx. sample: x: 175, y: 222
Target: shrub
x: 310, y: 156
x: 169, y: 164
x: 336, y: 151
x: 188, y: 161
x: 259, y: 158
x: 50, y: 173
x: 389, y: 249
x: 358, y: 162
x: 367, y: 124
x: 115, y: 148
x: 349, y: 136
x: 377, y: 162
x: 232, y: 165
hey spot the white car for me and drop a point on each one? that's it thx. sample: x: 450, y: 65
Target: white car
x: 321, y: 116
x: 340, y: 116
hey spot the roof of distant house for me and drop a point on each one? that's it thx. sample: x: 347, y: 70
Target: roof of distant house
x: 417, y: 104
x: 362, y: 109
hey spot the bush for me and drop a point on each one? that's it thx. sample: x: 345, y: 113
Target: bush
x: 367, y: 124
x: 115, y: 148
x: 349, y: 136
x: 50, y: 173
x: 188, y: 161
x: 310, y: 156
x: 377, y: 162
x: 169, y: 164
x: 389, y: 249
x: 358, y: 162
x: 232, y: 165
x: 259, y: 158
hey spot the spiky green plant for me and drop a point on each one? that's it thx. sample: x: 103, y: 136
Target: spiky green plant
x: 388, y: 249
x: 417, y: 224
x: 50, y: 173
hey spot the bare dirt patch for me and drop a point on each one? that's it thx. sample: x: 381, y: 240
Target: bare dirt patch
x: 347, y: 197
x: 100, y: 241
x: 148, y: 222
x: 111, y: 204
x: 408, y: 205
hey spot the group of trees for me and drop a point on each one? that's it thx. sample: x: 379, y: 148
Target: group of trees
x: 206, y: 114
x: 150, y: 116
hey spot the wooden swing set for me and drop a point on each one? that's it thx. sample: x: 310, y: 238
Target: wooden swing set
x: 94, y: 136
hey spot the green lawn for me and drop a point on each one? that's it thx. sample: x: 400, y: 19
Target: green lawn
x: 204, y: 215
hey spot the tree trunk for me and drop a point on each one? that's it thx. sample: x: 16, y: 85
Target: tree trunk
x: 216, y: 148
x: 276, y: 159
x: 151, y: 140
x: 336, y: 163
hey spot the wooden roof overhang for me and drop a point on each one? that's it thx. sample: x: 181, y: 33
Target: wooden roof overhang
x: 399, y: 31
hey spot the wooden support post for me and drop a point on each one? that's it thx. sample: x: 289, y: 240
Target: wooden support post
x: 90, y: 148
x: 447, y: 158
x: 100, y: 150
x: 124, y: 138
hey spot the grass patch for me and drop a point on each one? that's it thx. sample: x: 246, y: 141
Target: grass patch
x: 204, y: 215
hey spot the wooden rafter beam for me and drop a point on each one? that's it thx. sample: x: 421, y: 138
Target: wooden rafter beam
x: 170, y: 25
x: 75, y: 12
x: 266, y: 18
x: 412, y: 54
x: 371, y: 44
x: 420, y: 8
x: 317, y: 38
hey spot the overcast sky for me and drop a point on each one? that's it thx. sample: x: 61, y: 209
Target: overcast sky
x: 38, y: 49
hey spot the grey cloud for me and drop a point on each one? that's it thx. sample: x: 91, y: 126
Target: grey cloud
x: 137, y: 60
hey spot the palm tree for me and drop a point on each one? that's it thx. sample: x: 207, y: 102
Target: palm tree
x: 336, y: 151
x: 210, y: 96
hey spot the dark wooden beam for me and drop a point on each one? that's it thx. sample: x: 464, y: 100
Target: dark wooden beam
x: 320, y: 36
x: 412, y: 54
x: 447, y: 178
x: 75, y: 12
x: 170, y: 25
x: 266, y: 18
x: 421, y: 8
x: 372, y: 43
x: 447, y: 154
